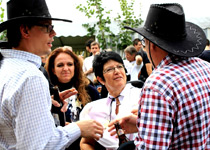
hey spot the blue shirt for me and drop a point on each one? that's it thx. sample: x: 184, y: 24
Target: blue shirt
x: 25, y: 119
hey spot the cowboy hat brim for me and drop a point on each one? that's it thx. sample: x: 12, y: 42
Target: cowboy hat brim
x: 192, y: 45
x: 166, y: 27
x: 6, y: 24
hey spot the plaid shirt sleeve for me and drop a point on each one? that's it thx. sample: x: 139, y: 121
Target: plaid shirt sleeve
x: 155, y: 120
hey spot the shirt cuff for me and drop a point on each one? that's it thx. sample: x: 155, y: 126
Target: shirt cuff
x: 73, y: 131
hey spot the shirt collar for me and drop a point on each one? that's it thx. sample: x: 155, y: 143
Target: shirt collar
x: 165, y: 61
x: 11, y: 53
x: 123, y: 92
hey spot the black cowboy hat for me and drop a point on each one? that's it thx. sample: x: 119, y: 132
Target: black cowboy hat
x: 20, y: 10
x: 165, y: 26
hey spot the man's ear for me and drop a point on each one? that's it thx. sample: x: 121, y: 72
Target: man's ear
x: 152, y: 46
x: 100, y: 80
x: 24, y: 31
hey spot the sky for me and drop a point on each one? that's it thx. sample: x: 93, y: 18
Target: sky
x: 196, y: 11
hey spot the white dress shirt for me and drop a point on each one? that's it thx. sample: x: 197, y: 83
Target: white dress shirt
x: 26, y: 122
x: 100, y: 111
x: 87, y: 64
x: 133, y: 69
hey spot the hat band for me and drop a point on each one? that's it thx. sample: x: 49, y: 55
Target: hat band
x: 166, y: 36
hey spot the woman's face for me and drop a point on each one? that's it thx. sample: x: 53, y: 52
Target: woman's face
x: 64, y: 67
x: 116, y: 78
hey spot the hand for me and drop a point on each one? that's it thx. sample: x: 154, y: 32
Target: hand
x: 64, y: 95
x: 135, y: 112
x: 127, y: 123
x: 138, y: 59
x: 90, y: 129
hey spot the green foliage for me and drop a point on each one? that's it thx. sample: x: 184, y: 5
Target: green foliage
x: 2, y: 34
x: 128, y: 19
x: 94, y: 8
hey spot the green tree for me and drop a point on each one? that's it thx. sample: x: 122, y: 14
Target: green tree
x: 94, y: 8
x: 127, y: 18
x: 2, y: 34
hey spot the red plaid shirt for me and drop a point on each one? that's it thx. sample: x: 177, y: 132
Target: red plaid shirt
x: 174, y: 110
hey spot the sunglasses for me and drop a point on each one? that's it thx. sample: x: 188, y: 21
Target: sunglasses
x: 49, y: 27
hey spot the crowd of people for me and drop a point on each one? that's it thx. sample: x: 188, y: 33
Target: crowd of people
x: 169, y: 111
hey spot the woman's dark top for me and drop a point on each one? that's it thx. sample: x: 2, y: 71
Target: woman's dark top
x: 72, y: 114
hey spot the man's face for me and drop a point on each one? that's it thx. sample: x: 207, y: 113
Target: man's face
x: 138, y: 46
x: 129, y: 57
x: 41, y: 38
x: 95, y: 49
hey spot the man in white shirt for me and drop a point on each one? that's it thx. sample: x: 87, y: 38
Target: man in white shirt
x: 25, y: 104
x: 133, y: 63
x: 88, y: 62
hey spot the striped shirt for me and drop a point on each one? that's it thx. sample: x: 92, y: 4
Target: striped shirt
x: 174, y: 108
x: 26, y: 122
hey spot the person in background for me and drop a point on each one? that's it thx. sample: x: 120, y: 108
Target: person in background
x: 137, y: 43
x: 68, y: 47
x: 174, y: 105
x: 88, y: 62
x: 26, y: 122
x: 43, y: 70
x: 88, y: 46
x: 205, y: 55
x: 121, y: 100
x: 147, y: 66
x: 133, y: 62
x: 44, y: 58
x: 88, y: 49
x: 207, y: 45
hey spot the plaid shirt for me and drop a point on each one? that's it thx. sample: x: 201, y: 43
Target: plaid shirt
x: 175, y: 106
